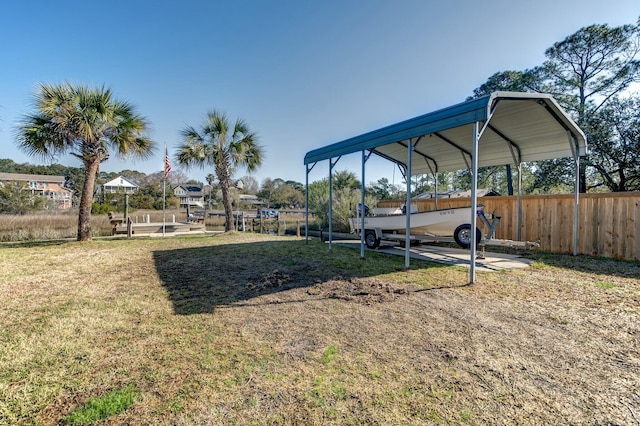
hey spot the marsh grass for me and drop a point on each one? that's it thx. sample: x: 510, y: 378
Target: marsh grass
x: 254, y: 329
x: 63, y: 224
x: 48, y: 225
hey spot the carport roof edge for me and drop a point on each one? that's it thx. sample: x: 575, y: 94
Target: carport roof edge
x: 465, y: 114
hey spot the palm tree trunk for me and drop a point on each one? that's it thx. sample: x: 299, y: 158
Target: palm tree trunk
x: 223, y: 177
x: 86, y: 200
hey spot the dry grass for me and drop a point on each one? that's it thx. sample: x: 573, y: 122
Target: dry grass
x: 250, y: 329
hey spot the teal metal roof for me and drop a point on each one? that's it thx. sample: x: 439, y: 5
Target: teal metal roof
x: 519, y: 127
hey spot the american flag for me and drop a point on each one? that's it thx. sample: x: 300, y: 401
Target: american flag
x: 167, y: 163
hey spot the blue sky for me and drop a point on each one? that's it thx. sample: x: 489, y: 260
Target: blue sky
x: 303, y: 74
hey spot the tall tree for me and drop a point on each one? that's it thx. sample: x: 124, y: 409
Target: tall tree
x: 615, y: 138
x: 513, y: 81
x: 589, y: 68
x: 344, y: 201
x: 223, y: 145
x: 250, y: 185
x: 345, y: 179
x: 267, y: 191
x: 384, y: 190
x: 88, y: 123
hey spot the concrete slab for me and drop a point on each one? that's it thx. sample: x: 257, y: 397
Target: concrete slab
x: 451, y: 256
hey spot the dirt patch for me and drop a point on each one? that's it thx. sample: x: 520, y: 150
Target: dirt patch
x: 274, y: 280
x: 365, y: 291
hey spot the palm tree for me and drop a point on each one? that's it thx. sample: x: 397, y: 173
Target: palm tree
x: 87, y: 123
x: 225, y: 147
x: 345, y: 179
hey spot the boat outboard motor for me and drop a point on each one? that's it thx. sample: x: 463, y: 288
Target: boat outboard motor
x: 359, y: 210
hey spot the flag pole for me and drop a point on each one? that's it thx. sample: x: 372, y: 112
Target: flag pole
x: 164, y: 200
x: 167, y: 168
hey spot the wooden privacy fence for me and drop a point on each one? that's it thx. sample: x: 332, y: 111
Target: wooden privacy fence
x: 608, y: 224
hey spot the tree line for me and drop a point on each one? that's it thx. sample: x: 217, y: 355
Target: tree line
x: 275, y: 193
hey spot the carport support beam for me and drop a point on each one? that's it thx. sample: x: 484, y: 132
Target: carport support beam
x: 435, y: 192
x: 365, y: 158
x: 331, y: 166
x: 576, y: 203
x: 474, y: 204
x: 407, y: 238
x: 306, y: 207
x: 519, y: 203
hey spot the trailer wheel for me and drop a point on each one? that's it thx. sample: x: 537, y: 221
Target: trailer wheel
x: 462, y: 235
x: 370, y: 239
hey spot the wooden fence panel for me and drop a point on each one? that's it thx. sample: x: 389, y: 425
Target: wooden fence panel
x: 608, y: 224
x: 633, y: 230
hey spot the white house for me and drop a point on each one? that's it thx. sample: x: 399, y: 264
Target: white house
x: 189, y: 195
x: 120, y: 185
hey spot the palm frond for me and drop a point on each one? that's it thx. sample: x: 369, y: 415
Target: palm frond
x: 86, y: 121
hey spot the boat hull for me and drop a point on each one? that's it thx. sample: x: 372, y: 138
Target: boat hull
x: 436, y: 223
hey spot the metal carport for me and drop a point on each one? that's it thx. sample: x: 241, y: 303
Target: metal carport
x: 498, y: 129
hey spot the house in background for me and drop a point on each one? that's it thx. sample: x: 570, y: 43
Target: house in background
x: 189, y: 195
x: 251, y: 200
x: 457, y: 194
x: 120, y: 185
x: 50, y: 187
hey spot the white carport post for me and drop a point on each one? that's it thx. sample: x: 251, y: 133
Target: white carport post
x: 435, y: 191
x: 407, y: 232
x: 576, y: 158
x: 519, y: 204
x: 362, y: 209
x: 306, y: 225
x: 331, y: 163
x: 331, y: 166
x: 474, y: 204
x: 306, y: 206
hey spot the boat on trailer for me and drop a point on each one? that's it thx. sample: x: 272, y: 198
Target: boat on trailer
x: 438, y: 225
x: 391, y: 223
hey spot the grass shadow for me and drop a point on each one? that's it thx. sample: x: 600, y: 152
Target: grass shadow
x: 201, y: 278
x: 36, y: 243
x: 582, y: 263
x: 587, y: 264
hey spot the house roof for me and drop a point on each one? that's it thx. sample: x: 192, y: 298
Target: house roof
x: 54, y: 187
x: 30, y: 178
x: 518, y: 127
x: 121, y: 182
x: 190, y: 189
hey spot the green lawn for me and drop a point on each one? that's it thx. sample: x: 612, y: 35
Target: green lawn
x: 264, y: 330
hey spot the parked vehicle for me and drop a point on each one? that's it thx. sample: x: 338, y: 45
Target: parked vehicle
x: 269, y: 213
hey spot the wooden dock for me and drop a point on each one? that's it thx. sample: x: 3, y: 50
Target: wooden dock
x: 156, y: 228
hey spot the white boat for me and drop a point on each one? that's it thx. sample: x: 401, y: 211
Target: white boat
x: 454, y: 222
